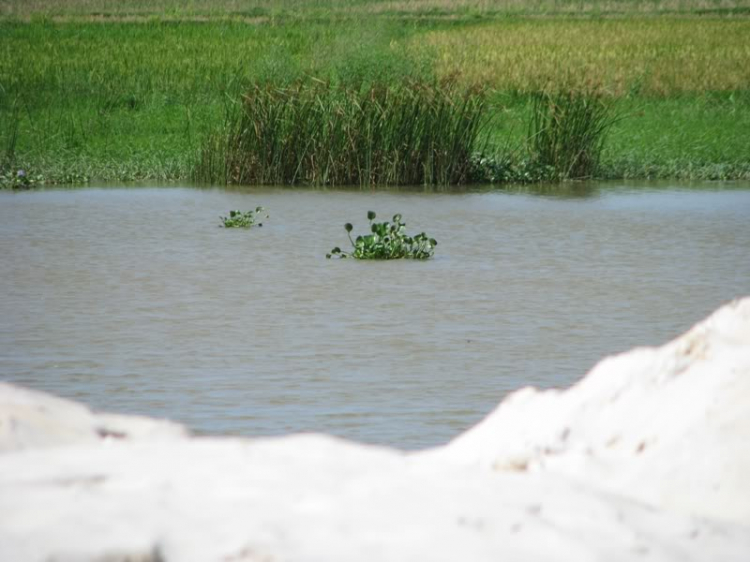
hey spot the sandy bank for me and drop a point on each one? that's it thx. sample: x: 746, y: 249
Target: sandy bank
x: 642, y: 459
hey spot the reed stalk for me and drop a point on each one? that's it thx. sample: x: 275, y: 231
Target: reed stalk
x: 567, y: 131
x: 317, y: 133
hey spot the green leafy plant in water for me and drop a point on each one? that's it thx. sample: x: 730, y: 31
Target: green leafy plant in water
x: 239, y: 219
x: 386, y: 241
x: 18, y: 179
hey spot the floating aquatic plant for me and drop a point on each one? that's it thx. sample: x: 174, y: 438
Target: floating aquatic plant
x: 18, y: 179
x: 239, y: 219
x: 386, y: 241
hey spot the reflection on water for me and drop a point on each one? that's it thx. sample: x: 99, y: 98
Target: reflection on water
x: 568, y: 190
x: 134, y: 300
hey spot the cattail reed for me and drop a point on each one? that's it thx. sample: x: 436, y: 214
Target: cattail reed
x: 316, y: 133
x: 567, y: 131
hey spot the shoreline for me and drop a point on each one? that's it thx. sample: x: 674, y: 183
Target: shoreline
x: 645, y: 455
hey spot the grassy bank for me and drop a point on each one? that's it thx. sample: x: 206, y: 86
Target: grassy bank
x: 131, y: 90
x: 691, y: 136
x: 128, y: 101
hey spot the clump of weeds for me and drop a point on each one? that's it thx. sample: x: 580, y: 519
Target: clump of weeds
x: 18, y: 179
x: 567, y: 132
x: 320, y: 133
x: 386, y: 241
x: 246, y: 219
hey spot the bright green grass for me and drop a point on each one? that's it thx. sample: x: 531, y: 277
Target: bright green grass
x: 703, y: 137
x: 124, y: 101
x: 127, y: 101
x: 696, y: 136
x: 326, y: 8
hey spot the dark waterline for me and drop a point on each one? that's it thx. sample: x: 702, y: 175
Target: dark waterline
x: 134, y: 300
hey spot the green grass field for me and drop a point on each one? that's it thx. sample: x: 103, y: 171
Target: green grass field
x: 181, y: 9
x: 126, y: 90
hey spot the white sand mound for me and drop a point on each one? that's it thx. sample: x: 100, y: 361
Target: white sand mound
x: 642, y: 459
x: 667, y: 425
x: 30, y: 419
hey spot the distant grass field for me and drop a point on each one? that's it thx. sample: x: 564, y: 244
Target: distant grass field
x: 129, y: 89
x: 695, y: 136
x: 327, y: 8
x: 131, y: 100
x: 662, y: 57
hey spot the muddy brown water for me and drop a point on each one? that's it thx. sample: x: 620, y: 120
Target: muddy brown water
x: 134, y: 300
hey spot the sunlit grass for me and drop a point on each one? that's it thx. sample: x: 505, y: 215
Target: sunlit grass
x: 697, y: 136
x: 131, y: 101
x: 316, y: 8
x: 128, y: 100
x: 638, y: 56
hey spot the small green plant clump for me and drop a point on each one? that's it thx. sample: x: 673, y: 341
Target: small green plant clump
x: 508, y: 168
x: 18, y: 179
x: 386, y: 241
x: 238, y: 219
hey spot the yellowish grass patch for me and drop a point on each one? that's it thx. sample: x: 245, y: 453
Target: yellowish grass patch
x: 650, y: 55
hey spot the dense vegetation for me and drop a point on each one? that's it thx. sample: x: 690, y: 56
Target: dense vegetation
x: 386, y: 241
x: 318, y: 133
x: 133, y: 89
x: 243, y: 219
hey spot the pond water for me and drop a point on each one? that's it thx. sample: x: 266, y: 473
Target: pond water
x: 136, y: 301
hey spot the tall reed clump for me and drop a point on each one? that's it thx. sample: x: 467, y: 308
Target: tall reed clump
x: 318, y: 133
x: 567, y: 131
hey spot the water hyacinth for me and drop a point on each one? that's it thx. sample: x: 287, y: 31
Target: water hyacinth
x: 20, y: 178
x: 386, y: 241
x: 240, y: 219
